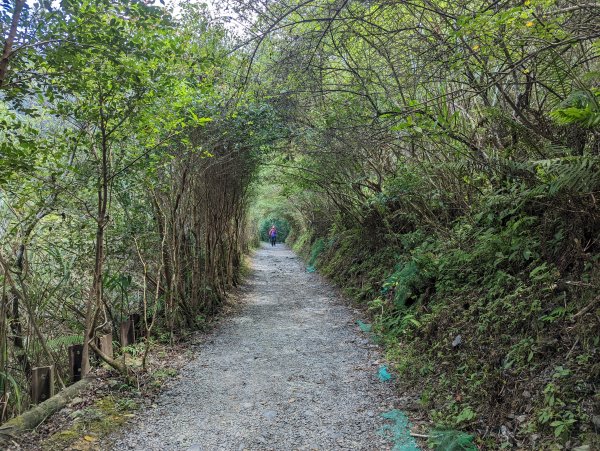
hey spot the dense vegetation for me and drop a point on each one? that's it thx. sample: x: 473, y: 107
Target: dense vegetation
x: 439, y: 160
x: 443, y: 167
x: 127, y: 155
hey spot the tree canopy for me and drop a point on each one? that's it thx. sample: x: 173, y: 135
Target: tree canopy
x: 440, y: 160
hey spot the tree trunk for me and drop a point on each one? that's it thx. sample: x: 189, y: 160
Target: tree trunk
x: 32, y: 418
x: 10, y: 39
x: 95, y: 304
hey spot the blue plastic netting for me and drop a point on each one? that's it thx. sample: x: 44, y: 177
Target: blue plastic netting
x: 398, y: 431
x: 366, y: 328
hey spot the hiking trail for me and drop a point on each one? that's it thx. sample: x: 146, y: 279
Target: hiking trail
x: 289, y: 371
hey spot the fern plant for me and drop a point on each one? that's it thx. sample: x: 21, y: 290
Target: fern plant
x: 580, y: 108
x: 579, y: 174
x: 64, y: 341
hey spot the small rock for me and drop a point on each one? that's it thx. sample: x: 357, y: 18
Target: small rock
x: 526, y: 394
x: 195, y: 448
x: 270, y: 414
x: 457, y: 341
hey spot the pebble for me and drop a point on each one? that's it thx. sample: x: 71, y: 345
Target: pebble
x: 270, y: 414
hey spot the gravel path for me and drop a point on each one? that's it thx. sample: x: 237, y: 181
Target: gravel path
x: 291, y: 371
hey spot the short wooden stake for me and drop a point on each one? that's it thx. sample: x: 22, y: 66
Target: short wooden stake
x: 136, y: 323
x: 42, y: 383
x: 75, y: 360
x: 126, y: 333
x: 106, y: 345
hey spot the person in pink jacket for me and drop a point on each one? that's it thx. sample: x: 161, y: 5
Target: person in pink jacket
x: 273, y: 235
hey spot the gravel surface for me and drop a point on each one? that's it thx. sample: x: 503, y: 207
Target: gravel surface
x: 291, y: 371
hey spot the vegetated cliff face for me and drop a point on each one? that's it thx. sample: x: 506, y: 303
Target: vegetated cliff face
x: 494, y: 317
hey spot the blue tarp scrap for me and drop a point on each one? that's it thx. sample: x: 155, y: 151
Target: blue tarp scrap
x: 384, y: 374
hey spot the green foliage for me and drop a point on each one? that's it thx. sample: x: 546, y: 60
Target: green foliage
x: 581, y: 107
x: 134, y: 350
x: 116, y: 147
x: 405, y: 284
x: 491, y: 277
x: 316, y: 249
x: 63, y: 342
x: 449, y: 183
x: 20, y: 146
x: 161, y: 375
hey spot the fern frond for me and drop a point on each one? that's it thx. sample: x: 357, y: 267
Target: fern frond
x: 581, y: 108
x: 572, y: 173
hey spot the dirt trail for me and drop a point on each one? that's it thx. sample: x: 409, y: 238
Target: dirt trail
x: 290, y: 371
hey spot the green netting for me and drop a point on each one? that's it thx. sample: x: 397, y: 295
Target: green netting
x: 310, y: 268
x: 451, y: 440
x: 364, y: 326
x: 398, y: 431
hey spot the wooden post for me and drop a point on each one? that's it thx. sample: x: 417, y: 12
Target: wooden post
x: 105, y: 344
x: 42, y: 383
x: 136, y: 325
x: 126, y: 332
x: 75, y: 360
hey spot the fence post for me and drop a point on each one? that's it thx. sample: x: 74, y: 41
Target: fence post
x: 136, y: 325
x: 75, y: 360
x: 106, y: 345
x: 126, y: 333
x: 42, y: 383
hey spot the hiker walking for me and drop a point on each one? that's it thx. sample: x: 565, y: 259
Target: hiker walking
x: 273, y: 235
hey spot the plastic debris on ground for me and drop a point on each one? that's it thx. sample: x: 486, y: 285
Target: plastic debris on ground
x: 398, y: 431
x: 451, y: 440
x: 364, y: 326
x: 368, y: 329
x: 383, y: 374
x: 310, y: 268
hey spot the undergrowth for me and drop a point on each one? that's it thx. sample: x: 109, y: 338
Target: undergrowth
x: 494, y: 318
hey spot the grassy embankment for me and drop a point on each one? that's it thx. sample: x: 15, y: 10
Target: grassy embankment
x: 493, y: 316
